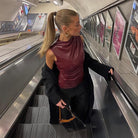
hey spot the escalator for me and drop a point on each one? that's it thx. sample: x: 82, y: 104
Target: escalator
x: 29, y: 116
x: 35, y: 121
x: 35, y: 124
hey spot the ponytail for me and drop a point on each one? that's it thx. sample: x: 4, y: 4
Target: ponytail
x: 49, y: 35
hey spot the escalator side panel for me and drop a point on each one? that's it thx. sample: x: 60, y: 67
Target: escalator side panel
x: 15, y: 78
x: 114, y: 121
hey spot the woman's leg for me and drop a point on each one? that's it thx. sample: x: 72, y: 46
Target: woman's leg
x: 79, y: 100
x: 80, y: 105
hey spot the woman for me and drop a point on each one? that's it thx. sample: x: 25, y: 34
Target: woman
x: 66, y: 73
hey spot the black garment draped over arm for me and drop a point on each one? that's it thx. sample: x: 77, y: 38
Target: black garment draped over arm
x: 50, y: 79
x: 99, y: 68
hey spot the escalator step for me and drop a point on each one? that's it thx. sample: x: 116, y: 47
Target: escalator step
x: 40, y: 100
x: 37, y: 115
x: 63, y: 133
x: 35, y: 131
x: 23, y: 131
x: 41, y: 90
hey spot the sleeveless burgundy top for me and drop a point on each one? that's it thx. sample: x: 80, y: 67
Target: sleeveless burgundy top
x: 70, y: 58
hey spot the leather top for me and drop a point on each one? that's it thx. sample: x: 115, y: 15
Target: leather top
x: 70, y: 58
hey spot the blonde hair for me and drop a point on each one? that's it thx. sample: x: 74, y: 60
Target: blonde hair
x: 62, y: 17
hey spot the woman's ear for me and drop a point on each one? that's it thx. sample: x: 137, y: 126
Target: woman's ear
x: 64, y: 28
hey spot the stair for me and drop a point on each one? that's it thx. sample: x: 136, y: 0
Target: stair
x: 36, y: 122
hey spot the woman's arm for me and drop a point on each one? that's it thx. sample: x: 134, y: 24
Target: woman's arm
x: 50, y: 58
x: 99, y: 68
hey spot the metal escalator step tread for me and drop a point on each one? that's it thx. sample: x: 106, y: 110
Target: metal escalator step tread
x: 32, y: 114
x: 37, y: 115
x: 41, y: 90
x: 23, y: 131
x: 63, y: 133
x: 35, y: 131
x: 43, y: 131
x: 40, y: 100
x: 44, y: 115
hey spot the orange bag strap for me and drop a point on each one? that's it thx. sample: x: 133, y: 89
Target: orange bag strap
x: 59, y: 114
x: 64, y: 120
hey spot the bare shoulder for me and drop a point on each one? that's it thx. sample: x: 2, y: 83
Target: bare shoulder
x: 49, y: 53
x: 82, y: 38
x: 50, y: 58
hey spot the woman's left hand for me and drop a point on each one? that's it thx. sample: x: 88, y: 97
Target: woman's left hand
x: 111, y: 71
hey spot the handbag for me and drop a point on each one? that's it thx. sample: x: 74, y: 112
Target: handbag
x: 69, y: 120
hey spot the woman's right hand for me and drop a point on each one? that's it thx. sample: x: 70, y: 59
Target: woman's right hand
x: 61, y: 104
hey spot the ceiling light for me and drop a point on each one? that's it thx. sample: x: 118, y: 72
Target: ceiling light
x: 58, y: 2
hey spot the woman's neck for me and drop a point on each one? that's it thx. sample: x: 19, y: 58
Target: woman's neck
x: 63, y: 37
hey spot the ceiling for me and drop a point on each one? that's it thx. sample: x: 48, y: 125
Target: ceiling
x: 9, y: 8
x: 49, y: 7
x: 83, y: 7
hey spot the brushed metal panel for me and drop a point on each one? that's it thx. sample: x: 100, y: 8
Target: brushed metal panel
x: 15, y: 78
